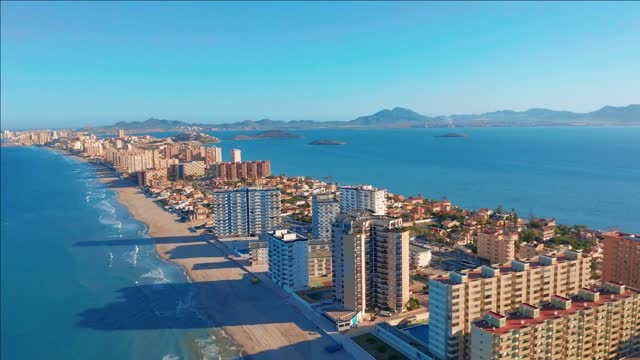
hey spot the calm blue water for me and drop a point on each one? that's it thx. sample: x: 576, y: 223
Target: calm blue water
x: 62, y: 300
x: 580, y: 175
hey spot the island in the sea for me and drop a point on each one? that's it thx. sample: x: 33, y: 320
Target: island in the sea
x: 270, y: 134
x: 327, y: 142
x: 192, y: 136
x: 451, y: 135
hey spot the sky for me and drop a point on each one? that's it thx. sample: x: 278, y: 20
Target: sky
x: 96, y: 63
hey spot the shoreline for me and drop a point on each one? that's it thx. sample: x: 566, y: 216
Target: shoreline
x: 258, y: 321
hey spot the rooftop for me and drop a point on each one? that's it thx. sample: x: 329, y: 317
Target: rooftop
x: 286, y: 235
x: 548, y: 311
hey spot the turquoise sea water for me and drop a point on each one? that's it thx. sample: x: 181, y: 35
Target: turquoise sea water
x: 62, y: 300
x: 580, y: 175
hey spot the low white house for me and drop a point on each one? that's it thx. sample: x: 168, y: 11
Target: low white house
x: 419, y: 257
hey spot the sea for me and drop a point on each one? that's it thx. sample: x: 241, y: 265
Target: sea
x: 80, y: 278
x: 579, y: 175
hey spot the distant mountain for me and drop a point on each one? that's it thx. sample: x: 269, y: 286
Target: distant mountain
x: 151, y: 123
x: 269, y: 134
x: 395, y: 116
x: 402, y: 118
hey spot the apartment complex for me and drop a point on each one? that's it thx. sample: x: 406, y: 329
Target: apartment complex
x: 243, y: 170
x: 592, y: 324
x: 324, y: 210
x: 462, y: 297
x: 621, y: 258
x: 245, y: 211
x: 236, y: 155
x: 121, y: 134
x: 498, y: 246
x: 191, y: 169
x: 370, y: 262
x: 363, y: 197
x: 288, y: 259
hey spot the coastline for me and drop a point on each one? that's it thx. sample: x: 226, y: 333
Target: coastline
x: 255, y: 318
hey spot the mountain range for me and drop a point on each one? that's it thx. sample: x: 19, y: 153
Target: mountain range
x: 404, y: 118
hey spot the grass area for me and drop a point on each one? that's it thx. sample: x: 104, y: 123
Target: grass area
x: 378, y: 348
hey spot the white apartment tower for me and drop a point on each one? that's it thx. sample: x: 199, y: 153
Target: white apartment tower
x: 236, y: 156
x: 363, y: 197
x: 288, y: 259
x: 324, y: 208
x: 246, y: 211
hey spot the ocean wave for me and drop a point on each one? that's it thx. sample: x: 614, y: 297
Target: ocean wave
x: 171, y: 357
x: 208, y: 348
x: 157, y: 275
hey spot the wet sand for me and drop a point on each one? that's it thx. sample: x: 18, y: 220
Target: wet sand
x: 255, y: 316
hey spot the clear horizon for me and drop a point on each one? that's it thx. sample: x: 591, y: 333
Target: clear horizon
x: 82, y: 63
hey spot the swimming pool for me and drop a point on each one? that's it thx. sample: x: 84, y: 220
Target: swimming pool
x: 420, y: 332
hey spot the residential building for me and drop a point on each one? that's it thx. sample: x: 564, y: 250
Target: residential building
x: 528, y: 251
x: 324, y: 208
x: 462, y: 297
x: 245, y: 211
x: 419, y: 257
x: 592, y: 324
x: 212, y: 155
x: 236, y: 155
x: 121, y: 134
x: 498, y: 247
x: 621, y: 258
x: 288, y: 259
x: 251, y: 170
x: 370, y: 262
x: 363, y: 197
x: 191, y: 169
x: 259, y: 252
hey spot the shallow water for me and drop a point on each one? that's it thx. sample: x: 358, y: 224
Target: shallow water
x: 79, y: 300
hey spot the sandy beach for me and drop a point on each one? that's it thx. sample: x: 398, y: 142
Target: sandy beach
x: 255, y: 316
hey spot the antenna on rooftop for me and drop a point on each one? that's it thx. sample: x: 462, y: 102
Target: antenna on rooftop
x: 531, y: 217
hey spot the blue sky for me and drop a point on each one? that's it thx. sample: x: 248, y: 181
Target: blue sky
x: 79, y: 63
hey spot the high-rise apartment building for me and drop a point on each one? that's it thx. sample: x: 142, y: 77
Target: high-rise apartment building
x: 621, y: 258
x: 498, y: 246
x: 232, y: 171
x: 191, y: 169
x: 324, y: 210
x: 246, y: 211
x: 121, y: 134
x: 462, y: 297
x: 288, y: 259
x: 236, y: 155
x: 363, y: 197
x: 370, y: 262
x: 591, y: 324
x: 212, y: 155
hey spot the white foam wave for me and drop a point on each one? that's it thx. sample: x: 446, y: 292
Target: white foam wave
x: 134, y: 255
x: 208, y: 348
x: 157, y: 275
x: 171, y: 357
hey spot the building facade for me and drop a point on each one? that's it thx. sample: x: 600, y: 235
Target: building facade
x: 236, y: 155
x: 324, y: 210
x: 245, y: 211
x: 498, y: 247
x: 592, y: 324
x: 370, y: 262
x: 363, y: 197
x: 251, y: 170
x: 288, y: 259
x: 621, y: 258
x: 455, y: 301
